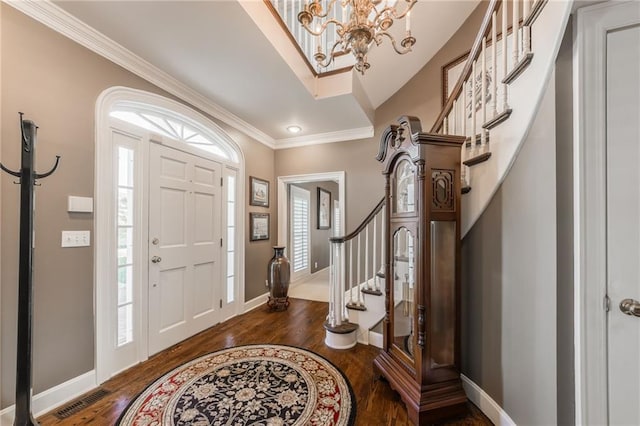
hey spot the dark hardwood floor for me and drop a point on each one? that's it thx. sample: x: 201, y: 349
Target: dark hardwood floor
x: 300, y: 325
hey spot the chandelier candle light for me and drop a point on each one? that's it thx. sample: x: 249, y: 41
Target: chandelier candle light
x: 368, y: 21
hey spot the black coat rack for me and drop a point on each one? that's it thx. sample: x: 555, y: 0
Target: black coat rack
x: 27, y: 180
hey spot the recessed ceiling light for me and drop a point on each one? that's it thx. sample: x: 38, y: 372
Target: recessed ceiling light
x: 294, y: 129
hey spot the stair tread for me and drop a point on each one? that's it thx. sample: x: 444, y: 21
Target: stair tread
x: 357, y: 307
x: 517, y: 70
x: 344, y: 328
x: 477, y: 159
x: 497, y: 119
x: 373, y: 292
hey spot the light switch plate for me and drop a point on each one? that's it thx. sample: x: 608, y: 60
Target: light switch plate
x: 80, y: 204
x: 76, y: 238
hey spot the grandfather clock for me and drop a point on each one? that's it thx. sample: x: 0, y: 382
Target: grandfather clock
x: 421, y: 350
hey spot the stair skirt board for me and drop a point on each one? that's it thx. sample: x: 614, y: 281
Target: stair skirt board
x: 368, y: 318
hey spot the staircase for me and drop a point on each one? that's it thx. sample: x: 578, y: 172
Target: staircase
x: 493, y: 104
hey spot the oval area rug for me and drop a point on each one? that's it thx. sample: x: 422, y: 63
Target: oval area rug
x: 257, y: 385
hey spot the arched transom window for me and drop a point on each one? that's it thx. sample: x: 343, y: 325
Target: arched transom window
x: 180, y: 129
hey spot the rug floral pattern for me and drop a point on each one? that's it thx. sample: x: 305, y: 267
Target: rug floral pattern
x: 257, y: 385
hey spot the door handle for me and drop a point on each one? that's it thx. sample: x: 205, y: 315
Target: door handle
x: 156, y: 259
x: 630, y: 307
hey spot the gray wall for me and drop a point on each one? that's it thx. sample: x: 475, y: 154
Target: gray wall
x: 564, y: 209
x: 56, y: 83
x: 509, y: 283
x: 319, y: 237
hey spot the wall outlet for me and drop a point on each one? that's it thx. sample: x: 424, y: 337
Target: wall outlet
x: 315, y: 265
x: 76, y: 238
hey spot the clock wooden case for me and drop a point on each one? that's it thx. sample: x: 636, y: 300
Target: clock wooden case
x: 421, y: 349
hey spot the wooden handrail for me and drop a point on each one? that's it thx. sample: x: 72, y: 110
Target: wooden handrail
x: 363, y: 225
x: 466, y: 71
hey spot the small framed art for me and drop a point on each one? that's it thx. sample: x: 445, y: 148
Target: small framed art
x: 324, y: 209
x: 259, y: 192
x: 258, y: 226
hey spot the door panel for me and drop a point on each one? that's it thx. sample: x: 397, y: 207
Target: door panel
x: 204, y: 300
x: 623, y: 222
x: 173, y: 227
x: 172, y: 298
x: 204, y: 210
x: 184, y: 230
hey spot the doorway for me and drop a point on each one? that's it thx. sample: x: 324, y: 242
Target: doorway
x: 325, y: 189
x: 607, y: 179
x: 169, y: 257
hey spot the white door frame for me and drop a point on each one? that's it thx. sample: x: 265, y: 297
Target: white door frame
x: 104, y: 181
x: 283, y: 211
x: 589, y: 150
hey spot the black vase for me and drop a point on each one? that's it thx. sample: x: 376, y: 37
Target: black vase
x: 279, y: 273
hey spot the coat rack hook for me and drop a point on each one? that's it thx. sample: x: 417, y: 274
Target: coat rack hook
x: 50, y: 172
x: 11, y: 172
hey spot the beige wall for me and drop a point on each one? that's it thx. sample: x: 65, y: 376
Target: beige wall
x: 56, y: 82
x: 421, y: 97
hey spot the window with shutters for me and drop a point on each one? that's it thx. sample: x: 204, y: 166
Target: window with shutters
x: 300, y: 209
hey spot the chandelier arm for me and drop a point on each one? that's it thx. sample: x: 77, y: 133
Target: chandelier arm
x: 327, y: 12
x: 393, y: 43
x: 393, y: 11
x: 407, y: 10
x: 323, y: 27
x: 330, y: 56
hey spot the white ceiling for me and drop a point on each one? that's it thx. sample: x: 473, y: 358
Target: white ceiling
x: 216, y: 48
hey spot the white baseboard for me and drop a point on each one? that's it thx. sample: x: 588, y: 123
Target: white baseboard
x: 54, y: 397
x: 254, y: 303
x: 485, y: 403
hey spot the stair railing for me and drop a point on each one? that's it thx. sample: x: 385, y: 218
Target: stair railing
x: 479, y: 100
x: 356, y: 265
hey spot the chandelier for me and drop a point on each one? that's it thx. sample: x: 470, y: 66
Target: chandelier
x: 368, y: 22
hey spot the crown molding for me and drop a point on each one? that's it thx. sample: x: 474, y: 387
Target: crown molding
x: 54, y: 17
x: 322, y: 138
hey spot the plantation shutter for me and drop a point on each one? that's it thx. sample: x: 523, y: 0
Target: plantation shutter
x: 300, y: 206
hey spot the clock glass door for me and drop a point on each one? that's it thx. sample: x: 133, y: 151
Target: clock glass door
x: 404, y: 293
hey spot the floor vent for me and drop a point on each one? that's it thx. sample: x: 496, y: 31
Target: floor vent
x: 80, y: 404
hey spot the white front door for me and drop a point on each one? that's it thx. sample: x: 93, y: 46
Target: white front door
x: 623, y: 222
x: 185, y: 279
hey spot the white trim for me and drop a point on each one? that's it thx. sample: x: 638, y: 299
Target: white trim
x: 56, y: 18
x: 283, y: 181
x: 485, y: 403
x: 54, y: 397
x: 593, y: 23
x: 103, y: 222
x: 322, y: 138
x: 256, y: 302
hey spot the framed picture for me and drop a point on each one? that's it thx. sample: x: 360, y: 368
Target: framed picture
x: 259, y: 226
x: 324, y: 209
x: 259, y: 192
